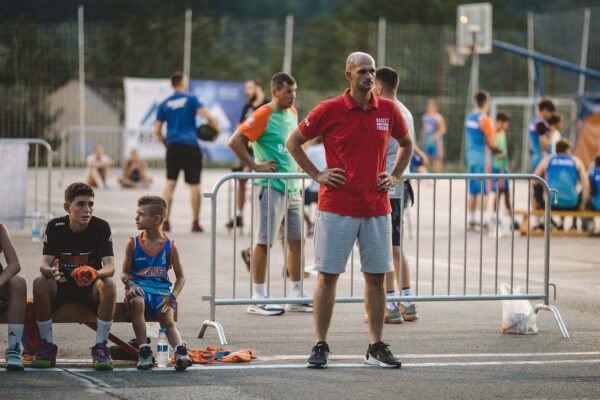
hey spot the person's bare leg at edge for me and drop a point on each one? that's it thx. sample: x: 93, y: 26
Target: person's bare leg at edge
x: 168, y: 196
x: 195, y: 200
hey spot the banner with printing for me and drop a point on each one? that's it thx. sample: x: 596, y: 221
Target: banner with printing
x: 223, y: 99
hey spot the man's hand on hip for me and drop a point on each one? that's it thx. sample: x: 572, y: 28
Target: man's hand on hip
x: 333, y: 177
x: 387, y: 181
x: 267, y: 166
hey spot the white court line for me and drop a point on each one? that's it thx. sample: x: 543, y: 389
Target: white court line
x: 451, y: 355
x: 341, y: 365
x: 292, y: 357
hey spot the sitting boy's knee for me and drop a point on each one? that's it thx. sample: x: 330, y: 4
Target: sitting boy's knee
x: 137, y: 303
x: 18, y: 286
x: 107, y: 286
x: 41, y: 285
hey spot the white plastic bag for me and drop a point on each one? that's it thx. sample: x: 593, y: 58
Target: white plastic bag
x: 518, y: 316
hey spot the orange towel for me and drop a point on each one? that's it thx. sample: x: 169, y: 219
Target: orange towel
x: 209, y: 355
x: 241, y: 356
x: 84, y: 275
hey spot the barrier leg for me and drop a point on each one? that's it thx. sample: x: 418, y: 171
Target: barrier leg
x: 557, y: 317
x: 213, y: 324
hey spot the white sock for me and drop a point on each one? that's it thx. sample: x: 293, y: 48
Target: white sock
x: 390, y: 304
x: 46, y: 330
x: 15, y: 334
x: 260, y: 290
x: 297, y: 288
x: 472, y: 216
x: 102, y: 330
x: 406, y: 292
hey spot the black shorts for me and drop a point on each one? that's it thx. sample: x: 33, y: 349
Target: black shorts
x: 71, y: 293
x: 184, y: 157
x: 397, y: 223
x: 310, y: 197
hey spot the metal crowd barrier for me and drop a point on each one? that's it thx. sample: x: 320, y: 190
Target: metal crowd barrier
x: 36, y: 162
x: 421, y: 183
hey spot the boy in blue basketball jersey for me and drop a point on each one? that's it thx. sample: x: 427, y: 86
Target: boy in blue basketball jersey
x: 564, y: 172
x: 148, y: 258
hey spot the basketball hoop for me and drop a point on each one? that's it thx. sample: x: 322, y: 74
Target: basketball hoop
x: 474, y: 28
x: 455, y: 57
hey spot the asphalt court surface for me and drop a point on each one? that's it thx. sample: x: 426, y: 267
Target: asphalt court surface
x: 454, y: 350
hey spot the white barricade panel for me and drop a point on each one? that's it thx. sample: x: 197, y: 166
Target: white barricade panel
x: 13, y: 186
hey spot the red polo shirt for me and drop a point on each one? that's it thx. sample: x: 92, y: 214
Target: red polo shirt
x: 355, y: 140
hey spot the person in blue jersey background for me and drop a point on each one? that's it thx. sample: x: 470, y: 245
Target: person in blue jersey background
x: 565, y: 172
x: 539, y: 133
x: 148, y: 259
x: 432, y: 134
x: 480, y: 141
x: 179, y: 112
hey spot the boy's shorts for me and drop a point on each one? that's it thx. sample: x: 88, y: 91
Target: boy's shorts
x: 416, y: 161
x: 397, y: 223
x: 434, y: 149
x: 335, y: 235
x: 502, y: 183
x: 71, y: 293
x: 151, y: 302
x: 477, y: 186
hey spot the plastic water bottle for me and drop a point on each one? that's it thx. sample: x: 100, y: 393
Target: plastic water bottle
x: 36, y: 232
x: 162, y: 349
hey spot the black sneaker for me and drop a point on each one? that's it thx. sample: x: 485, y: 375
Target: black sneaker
x: 318, y: 356
x: 379, y: 354
x: 239, y: 222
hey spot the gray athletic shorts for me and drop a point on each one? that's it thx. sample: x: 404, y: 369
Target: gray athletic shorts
x: 335, y: 235
x: 276, y: 210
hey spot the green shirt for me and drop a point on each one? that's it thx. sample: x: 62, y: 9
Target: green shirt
x: 501, y: 162
x: 268, y: 128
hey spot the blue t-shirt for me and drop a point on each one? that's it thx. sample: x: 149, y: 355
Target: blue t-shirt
x: 151, y: 271
x: 477, y: 153
x: 595, y: 185
x: 562, y: 175
x: 179, y: 112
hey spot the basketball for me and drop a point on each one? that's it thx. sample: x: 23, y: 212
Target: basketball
x: 206, y: 132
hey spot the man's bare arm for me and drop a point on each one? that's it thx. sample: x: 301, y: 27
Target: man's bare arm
x: 239, y: 144
x: 158, y: 132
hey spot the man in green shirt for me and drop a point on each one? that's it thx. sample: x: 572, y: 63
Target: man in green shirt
x: 268, y: 129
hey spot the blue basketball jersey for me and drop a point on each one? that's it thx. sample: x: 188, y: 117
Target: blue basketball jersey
x: 151, y: 271
x: 430, y: 126
x: 477, y: 151
x: 562, y: 175
x: 595, y: 185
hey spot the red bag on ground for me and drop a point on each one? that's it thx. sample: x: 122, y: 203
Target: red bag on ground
x: 31, y: 334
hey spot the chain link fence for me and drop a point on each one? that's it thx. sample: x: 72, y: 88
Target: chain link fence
x: 39, y: 66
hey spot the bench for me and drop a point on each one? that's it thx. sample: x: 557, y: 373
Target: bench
x: 76, y: 313
x: 555, y: 213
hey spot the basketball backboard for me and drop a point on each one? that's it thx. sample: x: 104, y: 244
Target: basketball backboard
x: 474, y: 28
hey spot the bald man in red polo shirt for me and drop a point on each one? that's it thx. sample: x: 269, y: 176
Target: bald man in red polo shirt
x: 353, y: 199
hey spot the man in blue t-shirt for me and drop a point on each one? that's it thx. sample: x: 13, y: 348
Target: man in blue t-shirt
x: 183, y: 151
